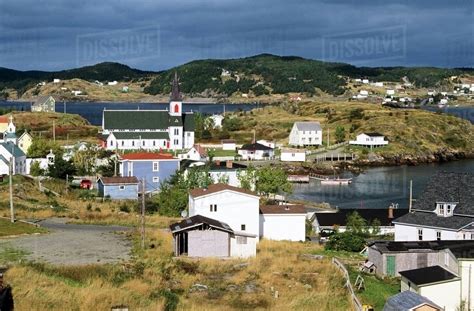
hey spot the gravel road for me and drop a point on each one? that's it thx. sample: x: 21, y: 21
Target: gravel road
x: 73, y: 244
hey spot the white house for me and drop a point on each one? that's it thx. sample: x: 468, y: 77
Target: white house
x: 228, y: 144
x: 306, y: 134
x: 196, y: 153
x: 444, y: 211
x: 365, y: 81
x: 256, y: 151
x: 293, y: 155
x: 283, y: 222
x: 44, y: 163
x: 378, y: 84
x: 217, y: 120
x: 267, y: 143
x: 390, y: 92
x: 235, y: 206
x: 9, y: 151
x: 226, y: 172
x: 371, y: 140
x: 363, y: 93
x: 112, y: 83
x: 56, y: 80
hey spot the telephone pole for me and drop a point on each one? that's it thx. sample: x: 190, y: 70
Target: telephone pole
x: 54, y: 131
x: 328, y: 138
x: 12, y: 212
x: 142, y: 220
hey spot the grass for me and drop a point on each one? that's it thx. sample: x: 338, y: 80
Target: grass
x: 7, y: 228
x: 9, y: 254
x: 223, y: 153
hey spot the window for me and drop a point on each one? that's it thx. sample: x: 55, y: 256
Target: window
x: 122, y: 142
x: 420, y: 234
x: 448, y: 209
x: 241, y: 240
x: 164, y: 143
x: 213, y: 207
x: 111, y: 142
x: 156, y: 166
x: 176, y: 131
x: 154, y: 143
x: 156, y: 179
x: 438, y: 235
x: 176, y: 108
x: 121, y: 187
x: 176, y: 141
x: 441, y: 209
x: 143, y: 143
x: 133, y: 143
x: 242, y: 227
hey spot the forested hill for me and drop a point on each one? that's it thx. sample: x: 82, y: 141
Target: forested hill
x: 266, y: 73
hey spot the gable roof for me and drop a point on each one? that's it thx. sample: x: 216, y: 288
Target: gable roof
x: 201, y: 150
x: 198, y: 220
x: 188, y: 123
x: 222, y: 166
x: 119, y: 180
x: 141, y: 135
x: 135, y: 119
x: 13, y: 149
x: 282, y: 209
x: 339, y: 217
x: 428, y: 275
x: 4, y: 119
x: 308, y: 126
x: 459, y: 248
x: 214, y: 188
x: 147, y: 156
x: 42, y: 99
x: 255, y: 146
x: 373, y: 134
x: 406, y: 301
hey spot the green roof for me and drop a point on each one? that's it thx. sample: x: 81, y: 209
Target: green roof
x: 189, y: 125
x: 10, y: 135
x: 9, y: 146
x: 136, y: 119
x: 142, y: 135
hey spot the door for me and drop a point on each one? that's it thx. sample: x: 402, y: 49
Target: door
x: 390, y: 266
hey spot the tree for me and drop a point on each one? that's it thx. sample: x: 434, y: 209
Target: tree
x: 107, y: 170
x: 35, y: 169
x: 61, y: 168
x: 356, y: 224
x: 375, y: 226
x: 41, y: 147
x: 247, y: 178
x: 231, y: 124
x: 272, y: 180
x: 340, y: 134
x: 199, y: 125
x: 345, y: 241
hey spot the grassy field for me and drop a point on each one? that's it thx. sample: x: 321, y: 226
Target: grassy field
x: 7, y: 228
x: 410, y: 132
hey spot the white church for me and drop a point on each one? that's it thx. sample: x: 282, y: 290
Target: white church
x: 149, y: 129
x: 10, y: 152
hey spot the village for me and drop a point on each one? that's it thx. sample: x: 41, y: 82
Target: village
x: 187, y: 205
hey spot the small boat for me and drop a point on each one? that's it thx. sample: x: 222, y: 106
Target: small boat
x: 336, y: 181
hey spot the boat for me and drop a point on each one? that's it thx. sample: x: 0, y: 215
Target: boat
x: 336, y: 181
x: 298, y: 178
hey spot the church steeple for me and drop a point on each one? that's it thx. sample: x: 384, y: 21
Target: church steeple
x: 175, y: 93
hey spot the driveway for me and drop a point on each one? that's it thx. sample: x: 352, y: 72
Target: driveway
x: 74, y: 244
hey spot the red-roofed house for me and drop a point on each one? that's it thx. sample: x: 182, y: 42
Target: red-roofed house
x: 196, y: 153
x: 153, y: 167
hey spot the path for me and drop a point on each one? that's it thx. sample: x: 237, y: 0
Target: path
x: 73, y: 244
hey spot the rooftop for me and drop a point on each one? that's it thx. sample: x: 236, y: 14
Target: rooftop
x: 428, y: 275
x: 282, y: 209
x: 308, y: 126
x: 255, y: 146
x: 373, y: 134
x: 214, y: 188
x: 119, y: 180
x: 407, y: 301
x: 339, y: 217
x: 459, y: 248
x: 198, y: 220
x: 147, y: 156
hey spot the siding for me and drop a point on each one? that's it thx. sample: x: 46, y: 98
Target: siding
x: 130, y: 192
x: 144, y: 169
x: 208, y: 243
x: 283, y: 227
x: 243, y: 250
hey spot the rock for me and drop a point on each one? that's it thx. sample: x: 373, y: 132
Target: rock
x: 307, y: 286
x: 311, y: 257
x: 250, y: 288
x: 240, y: 266
x: 199, y: 288
x: 232, y: 288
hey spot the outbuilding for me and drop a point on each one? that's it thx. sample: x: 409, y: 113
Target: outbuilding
x: 118, y: 188
x: 228, y: 144
x: 293, y: 155
x: 283, y: 222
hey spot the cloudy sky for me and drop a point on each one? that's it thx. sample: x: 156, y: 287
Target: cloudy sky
x: 159, y: 34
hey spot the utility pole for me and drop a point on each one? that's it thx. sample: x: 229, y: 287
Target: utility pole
x: 328, y: 138
x: 411, y: 196
x: 10, y: 168
x: 143, y: 214
x: 67, y: 182
x: 54, y: 131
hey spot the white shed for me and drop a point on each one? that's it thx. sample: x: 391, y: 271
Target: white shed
x: 283, y: 222
x: 228, y: 144
x: 293, y: 155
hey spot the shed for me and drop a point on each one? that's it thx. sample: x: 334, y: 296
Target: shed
x: 118, y: 188
x: 410, y: 301
x: 228, y: 144
x: 283, y: 222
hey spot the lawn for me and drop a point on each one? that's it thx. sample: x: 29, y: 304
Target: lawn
x: 222, y: 153
x: 7, y: 228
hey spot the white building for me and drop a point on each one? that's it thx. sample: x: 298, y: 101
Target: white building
x: 237, y: 207
x: 44, y: 163
x: 226, y: 172
x: 445, y: 211
x: 390, y: 92
x: 378, y: 84
x: 293, y: 155
x: 371, y: 140
x: 112, y: 83
x: 228, y: 144
x: 256, y: 152
x: 283, y: 222
x: 196, y: 153
x: 217, y: 120
x: 363, y: 93
x: 10, y: 152
x: 56, y: 80
x: 270, y: 144
x: 365, y: 81
x: 149, y: 129
x: 306, y: 134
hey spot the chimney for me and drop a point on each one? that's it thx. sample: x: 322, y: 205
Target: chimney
x: 390, y: 212
x: 229, y: 164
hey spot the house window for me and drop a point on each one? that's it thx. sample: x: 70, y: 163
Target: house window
x: 156, y: 179
x: 213, y: 207
x: 111, y: 142
x: 156, y: 166
x: 420, y: 234
x: 438, y: 235
x: 164, y: 143
x: 133, y: 143
x: 176, y: 131
x: 242, y: 227
x: 122, y: 142
x: 241, y: 240
x: 176, y: 141
x: 441, y: 209
x: 121, y: 187
x: 154, y: 143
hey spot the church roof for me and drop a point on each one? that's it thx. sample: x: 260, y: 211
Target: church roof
x: 136, y: 119
x: 175, y: 93
x: 142, y: 135
x: 13, y: 149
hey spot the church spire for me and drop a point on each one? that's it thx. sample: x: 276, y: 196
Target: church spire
x: 175, y: 93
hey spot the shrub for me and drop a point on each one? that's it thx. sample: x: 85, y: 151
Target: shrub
x: 346, y: 241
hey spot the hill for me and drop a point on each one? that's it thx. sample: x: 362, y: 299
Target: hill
x: 108, y: 71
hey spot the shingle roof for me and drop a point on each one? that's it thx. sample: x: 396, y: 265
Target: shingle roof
x: 119, y: 180
x: 197, y: 220
x: 255, y: 146
x: 428, y: 275
x: 339, y: 218
x: 41, y: 99
x: 214, y: 188
x: 142, y: 135
x: 13, y: 149
x: 373, y: 134
x: 459, y: 248
x: 430, y: 219
x: 406, y: 301
x: 189, y: 124
x: 308, y: 126
x: 136, y: 119
x: 222, y: 165
x: 147, y: 156
x: 282, y: 209
x: 4, y: 119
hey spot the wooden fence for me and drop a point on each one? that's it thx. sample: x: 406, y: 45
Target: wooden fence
x: 355, y: 301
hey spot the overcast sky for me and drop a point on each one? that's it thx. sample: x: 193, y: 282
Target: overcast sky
x: 159, y: 34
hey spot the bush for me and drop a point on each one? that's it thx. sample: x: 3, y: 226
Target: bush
x: 346, y: 241
x: 124, y: 208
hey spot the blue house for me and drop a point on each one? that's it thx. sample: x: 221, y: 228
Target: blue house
x: 118, y: 188
x: 153, y: 167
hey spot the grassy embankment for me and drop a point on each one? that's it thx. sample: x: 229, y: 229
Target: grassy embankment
x: 414, y: 133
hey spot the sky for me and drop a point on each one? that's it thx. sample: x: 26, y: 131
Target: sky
x: 159, y: 34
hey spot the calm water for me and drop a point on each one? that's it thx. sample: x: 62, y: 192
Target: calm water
x: 92, y: 111
x: 460, y: 112
x: 378, y: 187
